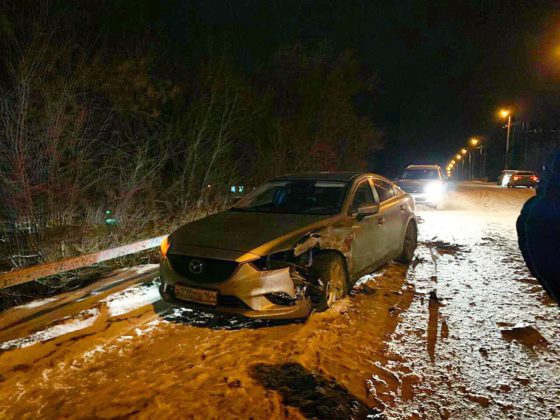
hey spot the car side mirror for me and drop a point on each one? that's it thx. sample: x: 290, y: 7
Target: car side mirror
x: 365, y: 211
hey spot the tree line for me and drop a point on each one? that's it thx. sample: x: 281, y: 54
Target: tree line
x: 94, y: 121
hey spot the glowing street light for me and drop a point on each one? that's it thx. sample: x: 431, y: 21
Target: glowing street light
x: 464, y: 151
x: 506, y: 113
x: 473, y: 142
x: 458, y: 157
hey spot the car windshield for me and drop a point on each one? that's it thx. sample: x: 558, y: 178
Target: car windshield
x: 295, y: 197
x: 421, y: 174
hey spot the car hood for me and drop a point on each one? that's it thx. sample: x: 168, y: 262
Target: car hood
x: 258, y: 233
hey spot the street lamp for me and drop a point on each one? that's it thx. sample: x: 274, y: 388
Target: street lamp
x: 477, y: 144
x: 459, y: 161
x: 473, y: 142
x: 506, y: 113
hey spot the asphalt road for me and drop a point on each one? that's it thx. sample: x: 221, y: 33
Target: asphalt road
x: 463, y: 332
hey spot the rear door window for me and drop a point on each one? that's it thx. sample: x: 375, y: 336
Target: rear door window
x: 384, y: 190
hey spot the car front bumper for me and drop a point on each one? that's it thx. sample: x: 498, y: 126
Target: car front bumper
x: 243, y: 293
x: 427, y: 198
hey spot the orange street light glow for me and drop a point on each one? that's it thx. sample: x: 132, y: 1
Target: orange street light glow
x: 458, y: 157
x: 474, y: 141
x: 504, y: 113
x: 464, y: 151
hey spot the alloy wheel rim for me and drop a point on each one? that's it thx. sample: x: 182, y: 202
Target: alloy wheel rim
x: 410, y: 239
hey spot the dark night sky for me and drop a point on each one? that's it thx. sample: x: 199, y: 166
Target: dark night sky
x: 443, y: 67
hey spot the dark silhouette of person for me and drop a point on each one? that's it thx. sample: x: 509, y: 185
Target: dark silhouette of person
x: 538, y: 230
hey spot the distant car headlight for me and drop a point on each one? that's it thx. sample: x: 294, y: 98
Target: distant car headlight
x: 434, y: 188
x: 434, y: 192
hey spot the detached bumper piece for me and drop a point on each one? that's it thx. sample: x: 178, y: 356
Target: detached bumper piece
x: 247, y: 291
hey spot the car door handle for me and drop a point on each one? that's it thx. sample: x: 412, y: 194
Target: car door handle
x: 380, y: 221
x: 403, y: 207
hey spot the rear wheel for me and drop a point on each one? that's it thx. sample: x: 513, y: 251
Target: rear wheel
x: 409, y: 243
x: 329, y: 272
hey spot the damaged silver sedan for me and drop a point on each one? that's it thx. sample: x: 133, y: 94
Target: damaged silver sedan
x: 297, y: 243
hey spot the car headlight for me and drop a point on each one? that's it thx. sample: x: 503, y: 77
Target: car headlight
x: 165, y: 246
x: 273, y: 261
x: 434, y: 188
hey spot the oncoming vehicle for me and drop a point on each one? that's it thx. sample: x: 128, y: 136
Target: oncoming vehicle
x: 425, y: 183
x: 297, y: 243
x: 520, y: 179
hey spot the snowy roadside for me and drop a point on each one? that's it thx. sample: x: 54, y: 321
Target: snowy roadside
x: 481, y: 337
x: 464, y: 332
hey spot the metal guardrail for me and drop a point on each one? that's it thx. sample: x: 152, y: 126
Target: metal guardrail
x: 39, y: 271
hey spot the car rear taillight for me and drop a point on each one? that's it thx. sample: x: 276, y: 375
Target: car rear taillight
x: 515, y: 178
x: 534, y: 178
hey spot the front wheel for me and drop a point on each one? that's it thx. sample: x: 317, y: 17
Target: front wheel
x: 409, y: 243
x: 329, y: 272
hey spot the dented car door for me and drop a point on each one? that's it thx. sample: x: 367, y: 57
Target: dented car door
x: 367, y: 231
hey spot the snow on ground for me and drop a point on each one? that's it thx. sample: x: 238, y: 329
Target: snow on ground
x: 481, y: 339
x: 132, y: 298
x: 37, y: 303
x: 463, y: 332
x: 67, y: 325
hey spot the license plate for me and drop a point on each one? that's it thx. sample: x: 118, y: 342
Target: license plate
x: 206, y: 297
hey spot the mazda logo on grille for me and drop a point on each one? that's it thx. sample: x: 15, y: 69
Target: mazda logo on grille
x: 196, y: 266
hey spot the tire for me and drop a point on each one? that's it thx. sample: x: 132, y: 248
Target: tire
x: 410, y: 242
x: 329, y: 272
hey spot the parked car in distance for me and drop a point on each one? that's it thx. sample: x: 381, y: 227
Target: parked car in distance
x: 515, y: 178
x: 297, y: 243
x: 426, y: 183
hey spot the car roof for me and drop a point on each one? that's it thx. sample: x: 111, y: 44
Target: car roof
x: 516, y: 170
x: 422, y: 167
x: 320, y: 176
